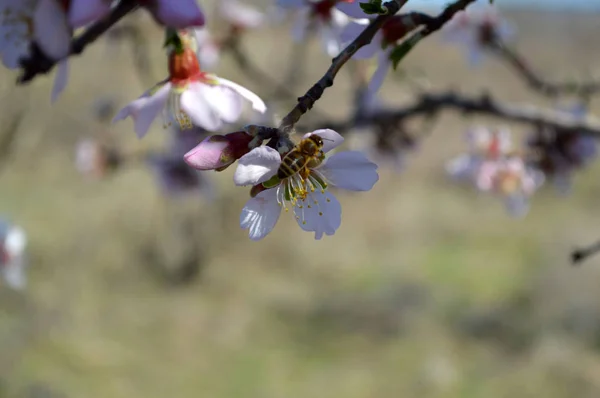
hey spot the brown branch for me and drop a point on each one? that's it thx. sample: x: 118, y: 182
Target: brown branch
x: 430, y: 104
x: 579, y: 255
x: 39, y: 63
x: 537, y: 83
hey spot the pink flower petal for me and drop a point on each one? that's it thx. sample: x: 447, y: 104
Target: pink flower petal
x: 260, y: 214
x: 224, y: 102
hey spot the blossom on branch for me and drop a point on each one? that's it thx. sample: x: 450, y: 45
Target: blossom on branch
x: 13, y: 241
x: 306, y: 191
x: 324, y: 16
x: 44, y: 22
x: 494, y: 167
x: 479, y: 28
x: 189, y: 97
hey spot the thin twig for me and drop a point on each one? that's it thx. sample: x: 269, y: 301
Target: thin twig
x: 537, y: 83
x: 580, y: 255
x: 431, y: 24
x: 429, y: 104
x: 306, y: 102
x: 39, y: 63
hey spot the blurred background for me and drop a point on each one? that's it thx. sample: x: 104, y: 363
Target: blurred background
x: 428, y: 289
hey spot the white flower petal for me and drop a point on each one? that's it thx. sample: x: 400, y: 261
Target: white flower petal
x: 195, y: 103
x: 60, y: 80
x: 517, y: 205
x: 329, y: 39
x: 320, y: 213
x: 224, y: 102
x: 260, y: 214
x: 351, y: 9
x: 14, y: 274
x: 257, y: 166
x: 350, y: 170
x: 15, y: 241
x: 149, y: 109
x: 331, y: 139
x: 301, y: 24
x: 257, y: 103
x: 383, y: 65
x: 51, y: 29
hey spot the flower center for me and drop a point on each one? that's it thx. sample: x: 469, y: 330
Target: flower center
x: 184, y: 67
x: 508, y: 182
x: 298, y: 188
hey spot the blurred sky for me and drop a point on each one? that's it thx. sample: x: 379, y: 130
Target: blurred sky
x: 558, y: 5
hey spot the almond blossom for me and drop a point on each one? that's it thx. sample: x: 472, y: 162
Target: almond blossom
x: 189, y: 97
x: 512, y: 180
x: 13, y: 241
x: 324, y: 16
x: 307, y: 193
x: 484, y: 145
x: 42, y: 21
x: 479, y: 28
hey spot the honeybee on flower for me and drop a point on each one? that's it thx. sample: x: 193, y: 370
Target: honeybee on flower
x: 300, y: 180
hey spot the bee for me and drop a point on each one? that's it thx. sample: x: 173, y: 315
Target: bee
x: 307, y: 154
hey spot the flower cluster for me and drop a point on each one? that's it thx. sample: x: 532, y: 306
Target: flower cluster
x: 494, y: 167
x: 49, y: 26
x: 13, y: 241
x: 300, y: 180
x: 479, y: 29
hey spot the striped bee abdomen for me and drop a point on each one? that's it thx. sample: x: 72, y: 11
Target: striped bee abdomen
x: 291, y: 163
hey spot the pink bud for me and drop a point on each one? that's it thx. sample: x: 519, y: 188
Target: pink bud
x: 217, y: 152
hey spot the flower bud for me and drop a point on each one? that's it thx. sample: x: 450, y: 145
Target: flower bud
x: 217, y: 152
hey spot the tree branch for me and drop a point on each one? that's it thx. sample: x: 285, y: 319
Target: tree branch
x: 430, y: 104
x: 431, y: 24
x: 537, y: 83
x: 306, y: 102
x: 580, y: 255
x: 39, y: 63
